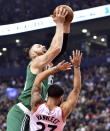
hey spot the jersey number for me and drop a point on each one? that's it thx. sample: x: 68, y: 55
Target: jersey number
x: 52, y: 127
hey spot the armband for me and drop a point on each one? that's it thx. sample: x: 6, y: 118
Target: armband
x: 76, y: 66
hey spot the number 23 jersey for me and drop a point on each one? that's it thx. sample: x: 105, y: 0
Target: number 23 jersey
x: 45, y: 120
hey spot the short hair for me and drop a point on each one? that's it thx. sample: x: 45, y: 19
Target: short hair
x: 55, y: 91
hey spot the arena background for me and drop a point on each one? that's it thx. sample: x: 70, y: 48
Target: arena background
x: 91, y: 35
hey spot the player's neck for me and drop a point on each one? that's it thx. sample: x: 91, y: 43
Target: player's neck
x: 51, y: 103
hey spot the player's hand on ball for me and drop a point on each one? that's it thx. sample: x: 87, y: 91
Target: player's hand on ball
x: 63, y: 66
x: 69, y: 16
x: 76, y: 58
x: 60, y: 15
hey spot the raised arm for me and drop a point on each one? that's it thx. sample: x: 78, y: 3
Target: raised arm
x: 70, y: 103
x: 64, y: 47
x: 66, y: 26
x: 36, y: 90
x: 57, y: 41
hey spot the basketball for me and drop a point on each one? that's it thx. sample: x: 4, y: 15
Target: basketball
x: 70, y: 14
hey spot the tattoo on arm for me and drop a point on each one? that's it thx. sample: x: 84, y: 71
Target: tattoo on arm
x: 36, y: 95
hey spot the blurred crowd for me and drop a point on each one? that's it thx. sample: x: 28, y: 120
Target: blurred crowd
x: 7, y: 62
x: 93, y: 109
x: 18, y: 10
x: 5, y: 104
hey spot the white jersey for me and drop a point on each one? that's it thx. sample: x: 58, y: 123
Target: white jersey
x: 45, y: 120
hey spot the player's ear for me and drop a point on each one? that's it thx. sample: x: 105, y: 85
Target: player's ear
x: 62, y: 98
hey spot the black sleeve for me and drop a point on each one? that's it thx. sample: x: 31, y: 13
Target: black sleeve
x: 64, y: 47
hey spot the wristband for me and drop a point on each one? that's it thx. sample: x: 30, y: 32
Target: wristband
x: 54, y: 69
x: 57, y: 68
x: 76, y: 66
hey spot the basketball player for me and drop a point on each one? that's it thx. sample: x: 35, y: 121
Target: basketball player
x: 39, y: 60
x: 52, y: 115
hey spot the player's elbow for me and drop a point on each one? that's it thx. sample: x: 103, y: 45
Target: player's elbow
x: 57, y: 50
x: 49, y: 57
x: 74, y: 105
x: 77, y: 91
x: 56, y: 46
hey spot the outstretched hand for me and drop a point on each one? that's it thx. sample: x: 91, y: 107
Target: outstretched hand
x: 59, y: 16
x: 76, y: 57
x: 63, y: 66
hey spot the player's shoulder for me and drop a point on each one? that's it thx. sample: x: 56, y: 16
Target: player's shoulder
x: 28, y: 65
x: 59, y: 110
x: 39, y: 107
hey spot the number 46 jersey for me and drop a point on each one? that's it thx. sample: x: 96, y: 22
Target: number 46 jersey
x: 45, y: 120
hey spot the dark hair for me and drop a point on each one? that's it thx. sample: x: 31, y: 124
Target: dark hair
x: 26, y: 52
x: 55, y: 91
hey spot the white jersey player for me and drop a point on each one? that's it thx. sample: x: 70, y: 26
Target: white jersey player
x: 52, y: 114
x: 45, y: 119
